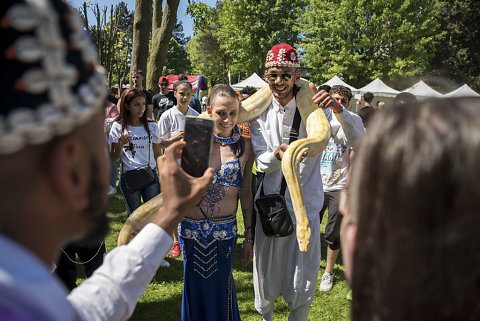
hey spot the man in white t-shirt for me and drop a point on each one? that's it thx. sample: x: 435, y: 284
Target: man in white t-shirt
x: 334, y: 167
x: 172, y: 122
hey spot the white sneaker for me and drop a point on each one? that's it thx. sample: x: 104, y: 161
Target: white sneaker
x: 164, y: 264
x: 327, y: 282
x: 111, y: 190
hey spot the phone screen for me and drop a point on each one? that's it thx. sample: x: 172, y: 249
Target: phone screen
x: 196, y: 154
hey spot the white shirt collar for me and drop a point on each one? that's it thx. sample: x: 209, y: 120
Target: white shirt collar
x: 277, y: 107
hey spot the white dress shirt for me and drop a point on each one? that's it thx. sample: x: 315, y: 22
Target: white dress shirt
x: 268, y: 131
x: 27, y: 287
x: 272, y: 128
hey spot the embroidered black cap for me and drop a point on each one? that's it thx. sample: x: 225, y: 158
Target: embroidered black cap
x: 50, y: 79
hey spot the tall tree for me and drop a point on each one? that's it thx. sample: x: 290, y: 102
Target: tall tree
x: 458, y: 55
x: 112, y: 35
x: 204, y: 50
x: 364, y: 39
x: 142, y: 26
x: 177, y: 60
x: 162, y: 32
x: 179, y: 35
x: 248, y: 29
x: 207, y: 57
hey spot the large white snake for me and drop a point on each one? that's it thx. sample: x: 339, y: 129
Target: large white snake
x: 318, y: 133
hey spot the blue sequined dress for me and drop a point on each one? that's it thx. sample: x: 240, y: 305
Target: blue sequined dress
x: 207, y: 246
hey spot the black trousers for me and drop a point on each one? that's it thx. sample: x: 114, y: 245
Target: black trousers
x: 332, y: 229
x: 92, y: 256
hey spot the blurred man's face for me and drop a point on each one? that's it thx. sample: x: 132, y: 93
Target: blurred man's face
x: 163, y: 86
x: 341, y: 99
x: 137, y: 80
x: 95, y: 213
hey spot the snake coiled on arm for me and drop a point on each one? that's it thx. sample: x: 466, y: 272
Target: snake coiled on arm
x: 318, y: 133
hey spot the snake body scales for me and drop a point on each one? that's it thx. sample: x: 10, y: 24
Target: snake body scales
x: 318, y: 133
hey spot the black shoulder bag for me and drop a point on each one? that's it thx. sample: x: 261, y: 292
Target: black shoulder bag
x: 140, y: 178
x: 272, y: 209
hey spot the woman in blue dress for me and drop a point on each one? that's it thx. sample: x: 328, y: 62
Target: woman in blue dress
x: 208, y: 234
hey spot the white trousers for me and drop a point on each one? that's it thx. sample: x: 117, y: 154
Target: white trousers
x: 280, y: 268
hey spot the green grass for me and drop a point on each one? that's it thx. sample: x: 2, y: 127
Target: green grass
x: 162, y: 299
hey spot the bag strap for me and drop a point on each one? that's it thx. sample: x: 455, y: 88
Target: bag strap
x: 294, y: 132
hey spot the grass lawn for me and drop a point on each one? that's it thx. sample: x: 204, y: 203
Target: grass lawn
x: 162, y: 300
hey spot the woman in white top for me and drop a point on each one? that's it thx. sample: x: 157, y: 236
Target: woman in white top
x: 135, y: 141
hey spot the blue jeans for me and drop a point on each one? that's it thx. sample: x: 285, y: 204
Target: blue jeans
x: 134, y: 200
x: 114, y: 172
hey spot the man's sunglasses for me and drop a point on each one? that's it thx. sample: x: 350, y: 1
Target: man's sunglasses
x: 272, y: 76
x: 163, y: 84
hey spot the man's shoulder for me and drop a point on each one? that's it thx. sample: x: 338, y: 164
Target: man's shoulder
x: 148, y: 94
x: 367, y: 108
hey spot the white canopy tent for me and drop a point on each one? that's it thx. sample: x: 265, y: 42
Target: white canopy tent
x: 379, y: 88
x: 253, y: 81
x: 464, y: 91
x: 337, y: 81
x: 422, y: 90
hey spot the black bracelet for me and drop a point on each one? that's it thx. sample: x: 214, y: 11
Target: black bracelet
x: 248, y: 241
x: 247, y: 228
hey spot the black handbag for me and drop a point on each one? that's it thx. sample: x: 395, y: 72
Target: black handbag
x: 272, y: 209
x: 140, y: 178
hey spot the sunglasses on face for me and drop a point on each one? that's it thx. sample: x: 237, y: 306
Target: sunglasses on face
x: 272, y: 76
x: 163, y: 84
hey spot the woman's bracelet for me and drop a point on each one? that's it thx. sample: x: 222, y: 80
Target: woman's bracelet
x: 248, y: 241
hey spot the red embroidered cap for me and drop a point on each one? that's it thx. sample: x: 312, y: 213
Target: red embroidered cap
x: 282, y: 55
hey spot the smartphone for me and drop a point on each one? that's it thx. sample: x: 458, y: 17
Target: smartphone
x: 198, y: 135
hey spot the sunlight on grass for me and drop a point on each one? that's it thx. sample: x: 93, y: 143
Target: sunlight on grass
x: 163, y: 298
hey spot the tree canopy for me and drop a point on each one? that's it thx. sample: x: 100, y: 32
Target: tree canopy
x: 364, y: 39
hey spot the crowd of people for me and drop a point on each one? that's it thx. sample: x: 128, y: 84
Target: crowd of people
x: 398, y: 184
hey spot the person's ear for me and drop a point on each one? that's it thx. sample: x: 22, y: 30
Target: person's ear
x: 265, y: 75
x: 69, y: 169
x: 209, y: 111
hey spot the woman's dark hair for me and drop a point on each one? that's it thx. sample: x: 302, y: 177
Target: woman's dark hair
x: 182, y: 83
x: 124, y: 115
x: 227, y: 91
x: 414, y: 194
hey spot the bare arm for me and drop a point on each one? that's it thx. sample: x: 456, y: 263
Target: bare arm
x: 246, y: 202
x: 117, y: 148
x: 157, y: 150
x: 169, y: 141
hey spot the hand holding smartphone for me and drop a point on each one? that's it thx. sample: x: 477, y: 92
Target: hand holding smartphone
x: 199, y: 137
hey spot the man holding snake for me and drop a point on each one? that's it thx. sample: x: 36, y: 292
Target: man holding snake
x: 279, y: 266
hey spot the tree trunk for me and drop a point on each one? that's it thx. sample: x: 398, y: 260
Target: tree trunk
x: 142, y: 25
x: 161, y: 34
